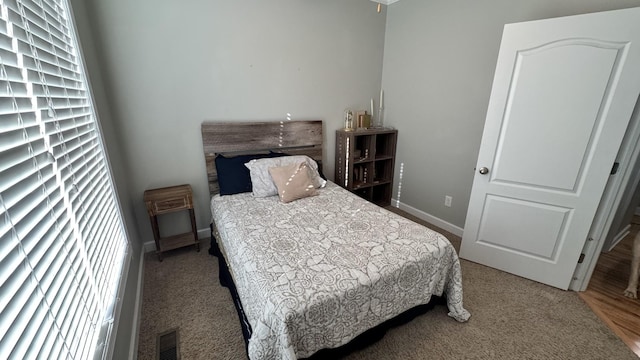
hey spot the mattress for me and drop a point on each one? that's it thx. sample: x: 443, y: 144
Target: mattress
x: 316, y: 272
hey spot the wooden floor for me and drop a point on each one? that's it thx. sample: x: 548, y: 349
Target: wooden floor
x: 605, y: 292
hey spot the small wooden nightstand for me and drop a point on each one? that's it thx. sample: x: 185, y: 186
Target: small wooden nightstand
x: 167, y: 200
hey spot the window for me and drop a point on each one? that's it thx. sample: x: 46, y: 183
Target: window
x: 63, y: 246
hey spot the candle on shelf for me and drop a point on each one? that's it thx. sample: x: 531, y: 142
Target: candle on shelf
x: 379, y: 122
x: 371, y: 106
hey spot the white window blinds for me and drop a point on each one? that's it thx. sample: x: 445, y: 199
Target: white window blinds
x: 62, y: 240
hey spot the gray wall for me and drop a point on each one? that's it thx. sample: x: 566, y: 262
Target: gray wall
x: 125, y: 326
x: 170, y: 65
x: 160, y: 68
x: 439, y: 61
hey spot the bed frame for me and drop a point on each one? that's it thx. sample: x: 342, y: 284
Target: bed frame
x: 301, y: 137
x: 293, y: 138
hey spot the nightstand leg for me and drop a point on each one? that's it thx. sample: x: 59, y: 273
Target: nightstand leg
x: 194, y: 229
x: 156, y: 235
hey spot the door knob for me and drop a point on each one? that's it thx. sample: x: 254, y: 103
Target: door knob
x: 483, y: 170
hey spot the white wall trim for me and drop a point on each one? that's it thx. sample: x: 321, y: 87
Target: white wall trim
x: 133, y: 350
x: 150, y: 246
x: 204, y: 233
x: 118, y: 307
x: 612, y: 198
x: 456, y: 230
x: 621, y: 235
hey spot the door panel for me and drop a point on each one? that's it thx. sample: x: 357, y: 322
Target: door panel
x: 536, y: 238
x: 563, y: 94
x: 543, y: 91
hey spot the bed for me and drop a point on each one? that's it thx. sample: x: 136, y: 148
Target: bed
x: 318, y: 271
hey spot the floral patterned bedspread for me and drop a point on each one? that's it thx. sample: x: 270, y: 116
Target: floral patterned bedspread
x: 317, y: 272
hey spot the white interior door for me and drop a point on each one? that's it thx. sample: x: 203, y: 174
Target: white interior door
x: 563, y: 93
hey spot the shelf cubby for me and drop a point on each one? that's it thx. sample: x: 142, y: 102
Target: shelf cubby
x: 365, y: 162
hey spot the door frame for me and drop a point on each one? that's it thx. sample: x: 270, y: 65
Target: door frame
x: 629, y: 158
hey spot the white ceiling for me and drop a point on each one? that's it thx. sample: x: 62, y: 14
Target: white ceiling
x: 385, y: 2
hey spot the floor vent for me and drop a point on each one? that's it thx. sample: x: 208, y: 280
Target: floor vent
x: 167, y: 345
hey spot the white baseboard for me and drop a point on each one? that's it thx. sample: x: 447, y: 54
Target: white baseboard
x: 150, y: 246
x: 456, y: 230
x: 204, y: 233
x: 621, y: 235
x: 133, y: 350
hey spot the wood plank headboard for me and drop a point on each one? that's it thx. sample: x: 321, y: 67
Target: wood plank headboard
x: 234, y: 138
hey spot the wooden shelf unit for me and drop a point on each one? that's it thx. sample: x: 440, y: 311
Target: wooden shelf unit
x: 167, y: 200
x: 365, y: 160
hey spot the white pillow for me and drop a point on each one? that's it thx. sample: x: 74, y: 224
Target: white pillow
x: 261, y: 180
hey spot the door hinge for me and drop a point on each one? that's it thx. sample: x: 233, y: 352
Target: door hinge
x: 614, y: 169
x: 581, y: 259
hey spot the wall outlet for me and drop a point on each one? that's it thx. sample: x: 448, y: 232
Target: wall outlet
x: 447, y: 200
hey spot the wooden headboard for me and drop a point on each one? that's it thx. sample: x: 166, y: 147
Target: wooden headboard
x: 234, y: 138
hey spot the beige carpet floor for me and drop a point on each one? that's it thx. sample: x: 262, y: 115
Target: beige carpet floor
x: 511, y: 318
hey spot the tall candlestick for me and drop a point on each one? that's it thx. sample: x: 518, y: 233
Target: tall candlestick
x: 381, y: 100
x: 371, y: 106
